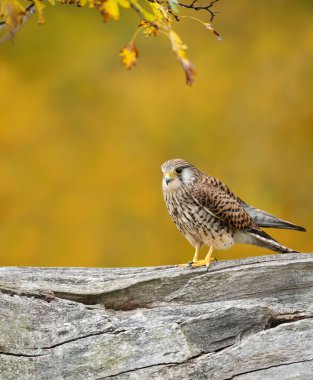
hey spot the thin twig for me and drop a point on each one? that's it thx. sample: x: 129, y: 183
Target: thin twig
x: 201, y: 7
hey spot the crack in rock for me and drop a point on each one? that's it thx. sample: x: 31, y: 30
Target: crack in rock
x: 269, y: 367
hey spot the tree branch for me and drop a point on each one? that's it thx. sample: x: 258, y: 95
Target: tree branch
x: 201, y: 7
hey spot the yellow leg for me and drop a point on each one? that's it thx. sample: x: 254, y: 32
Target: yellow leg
x: 195, y: 258
x: 205, y: 262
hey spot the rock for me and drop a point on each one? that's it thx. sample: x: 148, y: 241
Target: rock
x: 244, y: 319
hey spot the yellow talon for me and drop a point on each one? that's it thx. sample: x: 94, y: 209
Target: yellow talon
x: 195, y: 263
x: 201, y: 263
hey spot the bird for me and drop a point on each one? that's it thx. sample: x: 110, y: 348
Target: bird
x: 207, y: 212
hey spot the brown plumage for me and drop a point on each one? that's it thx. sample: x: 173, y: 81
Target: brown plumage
x: 224, y: 206
x: 207, y: 212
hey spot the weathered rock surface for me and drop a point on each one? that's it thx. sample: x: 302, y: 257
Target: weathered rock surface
x: 245, y: 319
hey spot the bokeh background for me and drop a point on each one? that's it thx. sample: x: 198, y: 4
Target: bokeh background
x: 82, y: 139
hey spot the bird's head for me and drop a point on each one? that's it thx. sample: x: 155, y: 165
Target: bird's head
x: 177, y: 173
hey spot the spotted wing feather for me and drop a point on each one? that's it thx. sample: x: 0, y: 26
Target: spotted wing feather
x: 260, y: 217
x: 223, y: 206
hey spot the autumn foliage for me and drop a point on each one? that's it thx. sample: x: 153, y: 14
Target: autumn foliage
x: 157, y: 17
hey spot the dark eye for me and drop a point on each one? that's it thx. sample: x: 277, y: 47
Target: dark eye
x: 178, y: 170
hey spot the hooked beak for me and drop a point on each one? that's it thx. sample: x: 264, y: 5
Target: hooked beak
x: 168, y: 177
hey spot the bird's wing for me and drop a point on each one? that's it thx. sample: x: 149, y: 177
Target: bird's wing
x: 223, y: 206
x: 260, y: 217
x: 265, y: 219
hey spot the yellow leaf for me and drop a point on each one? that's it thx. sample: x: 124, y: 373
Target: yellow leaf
x: 209, y: 27
x: 189, y: 70
x: 12, y: 12
x: 124, y: 3
x: 129, y: 55
x: 156, y: 11
x: 180, y: 49
x: 52, y: 2
x: 110, y: 8
x: 148, y: 28
x: 160, y: 12
x: 177, y: 44
x: 39, y: 9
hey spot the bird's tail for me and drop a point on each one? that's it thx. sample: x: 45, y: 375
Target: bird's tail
x: 262, y: 239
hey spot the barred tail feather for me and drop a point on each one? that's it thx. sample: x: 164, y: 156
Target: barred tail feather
x: 262, y: 239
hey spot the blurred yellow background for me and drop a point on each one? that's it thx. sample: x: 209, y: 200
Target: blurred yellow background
x: 82, y: 139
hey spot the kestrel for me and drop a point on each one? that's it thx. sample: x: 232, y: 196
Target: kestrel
x: 207, y: 212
